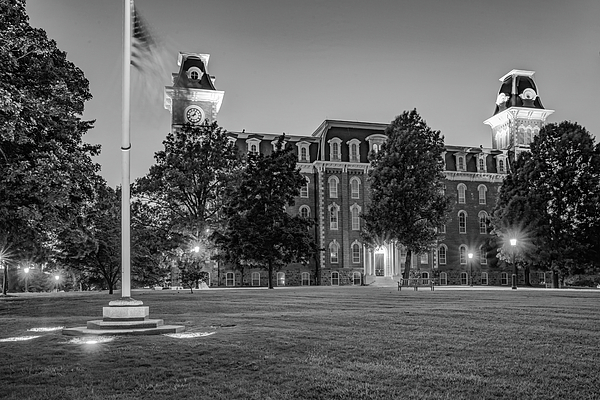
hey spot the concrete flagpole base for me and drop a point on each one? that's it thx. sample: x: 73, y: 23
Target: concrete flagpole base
x: 125, y: 316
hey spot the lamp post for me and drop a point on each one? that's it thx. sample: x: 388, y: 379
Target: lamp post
x: 26, y: 270
x: 471, y: 268
x: 513, y: 245
x: 57, y: 278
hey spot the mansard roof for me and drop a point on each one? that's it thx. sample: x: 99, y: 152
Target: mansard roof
x: 518, y: 89
x: 186, y: 61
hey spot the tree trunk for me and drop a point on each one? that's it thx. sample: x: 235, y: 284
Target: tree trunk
x: 270, y: 275
x: 110, y: 287
x: 317, y: 280
x: 5, y: 280
x: 554, y: 279
x: 407, y: 263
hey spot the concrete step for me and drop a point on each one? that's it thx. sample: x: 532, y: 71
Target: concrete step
x: 384, y: 281
x: 112, y: 325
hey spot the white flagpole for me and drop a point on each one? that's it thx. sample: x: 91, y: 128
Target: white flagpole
x: 125, y: 148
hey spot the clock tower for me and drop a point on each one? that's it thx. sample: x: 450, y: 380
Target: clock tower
x: 192, y: 98
x: 519, y: 114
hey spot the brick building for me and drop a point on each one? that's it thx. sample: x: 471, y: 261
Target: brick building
x: 334, y: 161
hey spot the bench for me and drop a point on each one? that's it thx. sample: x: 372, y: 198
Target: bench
x: 415, y: 283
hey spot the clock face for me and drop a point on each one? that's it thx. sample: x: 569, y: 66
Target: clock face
x: 194, y: 115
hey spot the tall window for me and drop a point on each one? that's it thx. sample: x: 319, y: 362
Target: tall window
x: 484, y: 278
x: 304, y: 188
x: 424, y: 258
x: 355, y: 211
x: 355, y: 187
x: 335, y: 278
x: 481, y: 164
x: 464, y: 278
x: 256, y: 279
x: 504, y: 278
x: 334, y: 249
x: 482, y: 194
x: 462, y: 190
x: 253, y: 148
x: 501, y: 166
x: 356, y: 252
x: 443, y: 278
x: 305, y: 278
x: 229, y: 279
x: 334, y: 210
x: 483, y: 217
x: 482, y: 255
x: 461, y: 163
x: 305, y: 212
x: 281, y: 279
x: 443, y: 228
x: 356, y: 278
x: 335, y: 151
x: 333, y: 186
x: 303, y: 154
x: 463, y: 254
x: 354, y: 152
x: 442, y: 250
x: 462, y: 222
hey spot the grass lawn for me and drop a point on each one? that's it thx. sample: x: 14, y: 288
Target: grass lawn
x: 313, y: 343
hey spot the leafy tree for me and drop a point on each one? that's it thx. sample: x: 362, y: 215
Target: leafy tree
x: 549, y: 201
x: 46, y: 167
x: 187, y: 182
x: 192, y: 265
x: 407, y: 201
x: 258, y: 230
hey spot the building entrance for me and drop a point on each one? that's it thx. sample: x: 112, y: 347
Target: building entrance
x: 379, y: 264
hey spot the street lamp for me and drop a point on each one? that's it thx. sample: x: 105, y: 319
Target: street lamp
x: 471, y: 268
x: 26, y: 270
x: 513, y: 245
x: 56, y: 278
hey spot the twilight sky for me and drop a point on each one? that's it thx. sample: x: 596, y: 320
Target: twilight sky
x: 287, y: 65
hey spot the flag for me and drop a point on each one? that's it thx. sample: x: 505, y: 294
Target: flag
x: 143, y: 43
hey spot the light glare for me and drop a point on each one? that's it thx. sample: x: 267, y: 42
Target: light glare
x: 48, y: 329
x: 19, y: 338
x: 188, y: 335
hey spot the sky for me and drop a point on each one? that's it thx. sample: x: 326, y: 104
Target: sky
x: 287, y: 65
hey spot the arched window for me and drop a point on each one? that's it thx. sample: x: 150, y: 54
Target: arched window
x: 356, y: 278
x: 281, y: 279
x: 256, y: 279
x: 442, y: 250
x: 305, y: 278
x: 376, y: 147
x: 484, y: 278
x: 335, y: 151
x: 482, y: 163
x: 335, y: 278
x: 463, y: 254
x: 355, y: 187
x: 355, y: 252
x: 504, y: 278
x: 482, y: 255
x: 334, y: 249
x: 333, y: 183
x: 354, y: 152
x: 303, y: 154
x: 304, y: 211
x: 334, y: 210
x: 253, y: 148
x: 461, y: 163
x: 229, y: 279
x: 483, y: 218
x: 482, y: 189
x: 462, y: 221
x: 443, y: 278
x: 355, y: 213
x: 464, y: 278
x: 304, y: 188
x: 462, y: 190
x: 501, y: 166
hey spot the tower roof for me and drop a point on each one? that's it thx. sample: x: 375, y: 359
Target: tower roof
x: 518, y: 89
x: 198, y: 63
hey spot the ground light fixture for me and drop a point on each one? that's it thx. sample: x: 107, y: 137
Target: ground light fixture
x: 26, y: 270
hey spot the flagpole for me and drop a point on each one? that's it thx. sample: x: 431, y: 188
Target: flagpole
x: 125, y: 156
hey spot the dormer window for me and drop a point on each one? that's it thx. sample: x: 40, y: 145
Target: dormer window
x: 334, y: 149
x: 274, y: 144
x: 303, y: 153
x: 481, y: 166
x: 461, y: 161
x: 354, y: 147
x: 375, y: 142
x: 253, y: 145
x: 501, y: 164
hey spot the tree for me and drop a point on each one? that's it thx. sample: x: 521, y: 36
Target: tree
x: 549, y: 201
x: 258, y: 230
x: 407, y: 200
x: 46, y: 167
x: 187, y: 182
